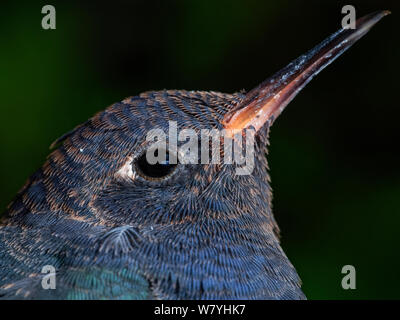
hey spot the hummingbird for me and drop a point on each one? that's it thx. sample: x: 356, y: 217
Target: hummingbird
x: 99, y: 221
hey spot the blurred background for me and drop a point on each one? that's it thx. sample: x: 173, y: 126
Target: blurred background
x: 334, y: 154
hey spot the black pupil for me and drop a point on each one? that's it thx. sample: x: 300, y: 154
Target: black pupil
x: 157, y: 170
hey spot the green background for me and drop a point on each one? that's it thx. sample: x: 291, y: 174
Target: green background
x: 334, y: 154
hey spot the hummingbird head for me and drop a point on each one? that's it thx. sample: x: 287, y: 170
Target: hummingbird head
x: 170, y: 191
x: 101, y: 170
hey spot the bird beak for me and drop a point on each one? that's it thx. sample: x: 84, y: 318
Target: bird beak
x: 265, y: 103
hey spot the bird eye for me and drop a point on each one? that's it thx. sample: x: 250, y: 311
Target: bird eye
x: 155, y: 171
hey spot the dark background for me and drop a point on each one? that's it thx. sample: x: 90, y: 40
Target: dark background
x: 334, y: 152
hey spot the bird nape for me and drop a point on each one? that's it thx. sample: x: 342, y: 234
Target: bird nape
x: 109, y: 223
